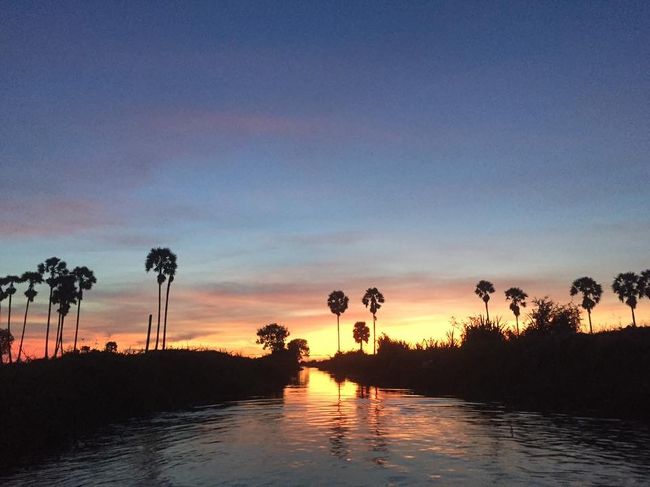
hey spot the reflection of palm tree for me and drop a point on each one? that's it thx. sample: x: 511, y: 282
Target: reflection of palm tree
x: 627, y: 286
x: 517, y: 300
x: 55, y: 267
x: 338, y: 303
x: 158, y: 260
x: 9, y: 281
x: 32, y: 278
x: 591, y: 293
x: 373, y: 299
x: 483, y: 291
x: 85, y: 280
x: 170, y: 271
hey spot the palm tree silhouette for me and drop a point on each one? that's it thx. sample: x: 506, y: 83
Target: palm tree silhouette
x: 158, y: 260
x: 9, y: 281
x: 32, y: 278
x: 169, y: 269
x: 55, y: 267
x: 65, y: 295
x: 374, y: 299
x: 591, y: 293
x: 85, y: 279
x: 517, y: 299
x: 338, y: 303
x: 627, y: 286
x: 644, y: 283
x: 483, y: 291
x: 3, y: 295
x: 361, y: 333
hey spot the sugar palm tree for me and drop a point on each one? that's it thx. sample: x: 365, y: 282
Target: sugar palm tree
x: 338, y: 303
x: 158, y: 260
x: 31, y: 278
x: 517, y: 299
x: 373, y: 299
x: 361, y: 333
x: 10, y: 282
x: 55, y: 267
x: 645, y: 283
x: 483, y: 291
x: 169, y: 269
x: 3, y: 296
x: 65, y: 295
x: 85, y: 279
x: 627, y: 287
x: 591, y: 293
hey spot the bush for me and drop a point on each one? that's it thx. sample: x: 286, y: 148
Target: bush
x: 549, y: 317
x: 479, y: 331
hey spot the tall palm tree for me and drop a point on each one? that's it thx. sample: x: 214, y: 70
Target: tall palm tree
x: 85, y: 279
x: 169, y: 269
x: 374, y: 299
x: 591, y: 293
x: 10, y: 282
x: 645, y: 283
x: 65, y: 295
x: 338, y: 303
x: 517, y: 299
x: 483, y: 291
x: 627, y: 287
x: 157, y: 260
x: 55, y: 267
x: 32, y: 278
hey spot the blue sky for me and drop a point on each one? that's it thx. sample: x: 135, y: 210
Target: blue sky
x: 323, y: 145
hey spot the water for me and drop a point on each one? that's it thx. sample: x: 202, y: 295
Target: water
x: 323, y: 433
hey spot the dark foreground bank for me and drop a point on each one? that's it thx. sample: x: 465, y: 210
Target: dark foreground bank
x: 44, y: 404
x: 604, y: 374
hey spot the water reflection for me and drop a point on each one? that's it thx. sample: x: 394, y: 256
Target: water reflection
x: 323, y: 431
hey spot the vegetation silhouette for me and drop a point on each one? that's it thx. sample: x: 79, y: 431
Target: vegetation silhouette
x: 10, y: 281
x: 483, y: 291
x: 169, y: 269
x: 32, y: 278
x: 55, y: 267
x: 361, y: 333
x: 272, y: 336
x: 6, y: 339
x: 338, y: 303
x: 517, y: 298
x: 373, y: 300
x: 298, y: 348
x: 628, y: 286
x: 85, y: 281
x: 591, y: 293
x: 65, y: 295
x: 161, y: 261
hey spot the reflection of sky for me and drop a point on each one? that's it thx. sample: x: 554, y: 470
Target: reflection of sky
x: 287, y: 151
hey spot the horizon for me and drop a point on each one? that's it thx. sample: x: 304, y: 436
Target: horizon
x: 286, y: 151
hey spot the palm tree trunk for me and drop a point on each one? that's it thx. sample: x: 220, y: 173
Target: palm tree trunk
x: 22, y: 335
x: 61, y: 336
x: 9, y: 326
x: 158, y: 330
x: 374, y: 336
x: 47, y: 330
x: 487, y: 313
x: 590, y: 328
x: 338, y: 333
x: 146, y: 349
x: 633, y: 318
x: 76, y: 330
x: 169, y: 283
x: 361, y: 346
x: 58, y: 334
x: 517, y: 321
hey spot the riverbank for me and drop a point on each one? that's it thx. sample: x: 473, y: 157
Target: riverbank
x: 46, y: 403
x: 604, y: 374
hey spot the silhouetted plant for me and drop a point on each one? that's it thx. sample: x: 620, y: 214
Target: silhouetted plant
x: 479, y: 331
x: 85, y: 280
x: 10, y: 282
x: 483, y: 291
x: 158, y: 259
x: 65, y: 295
x: 298, y: 348
x: 386, y: 345
x: 644, y: 283
x: 548, y: 317
x: 110, y: 347
x: 6, y: 339
x: 628, y: 288
x: 3, y: 296
x: 591, y: 293
x: 85, y: 349
x: 169, y: 269
x: 338, y: 303
x: 361, y: 333
x: 517, y: 299
x: 55, y: 267
x: 272, y: 336
x: 31, y: 278
x: 373, y: 300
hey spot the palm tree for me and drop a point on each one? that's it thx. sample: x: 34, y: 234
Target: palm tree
x: 55, y: 267
x: 9, y: 281
x: 627, y: 287
x: 374, y: 299
x: 361, y: 333
x: 169, y: 269
x: 644, y: 285
x: 483, y: 291
x: 32, y: 278
x: 591, y: 293
x: 158, y: 260
x: 338, y: 303
x: 85, y: 279
x: 3, y: 294
x: 65, y: 295
x: 517, y: 299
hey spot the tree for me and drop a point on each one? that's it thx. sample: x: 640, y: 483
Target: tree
x: 65, y: 295
x: 110, y: 347
x: 158, y: 259
x: 298, y: 347
x: 483, y: 291
x: 272, y: 336
x: 517, y: 299
x: 55, y: 267
x: 3, y: 295
x: 361, y: 333
x: 32, y: 278
x: 548, y: 317
x: 169, y: 269
x: 373, y: 299
x: 627, y: 286
x: 644, y: 284
x: 6, y: 339
x: 10, y: 282
x: 591, y: 293
x: 85, y: 279
x: 338, y: 303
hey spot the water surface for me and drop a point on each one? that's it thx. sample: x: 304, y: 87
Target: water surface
x: 321, y: 432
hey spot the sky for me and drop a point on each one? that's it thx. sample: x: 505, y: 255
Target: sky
x: 287, y: 149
